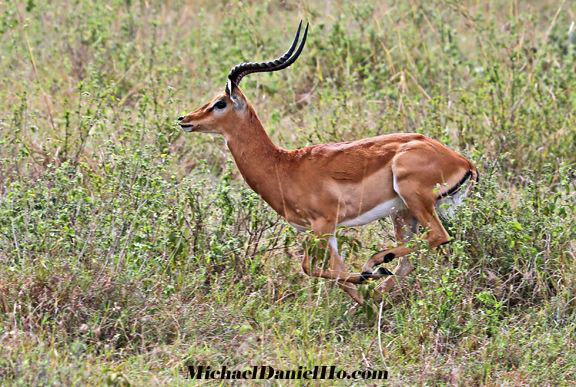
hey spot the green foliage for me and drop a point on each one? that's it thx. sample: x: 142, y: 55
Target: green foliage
x: 128, y: 248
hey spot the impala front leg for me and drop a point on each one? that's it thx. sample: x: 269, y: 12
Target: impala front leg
x: 405, y: 226
x: 337, y: 271
x: 403, y: 268
x: 337, y: 268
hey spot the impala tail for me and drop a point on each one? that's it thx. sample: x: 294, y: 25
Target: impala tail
x: 448, y: 201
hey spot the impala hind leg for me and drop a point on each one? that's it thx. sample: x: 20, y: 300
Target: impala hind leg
x: 435, y: 236
x: 420, y: 202
x: 405, y: 225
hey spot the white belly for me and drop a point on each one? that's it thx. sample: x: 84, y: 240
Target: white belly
x: 381, y: 210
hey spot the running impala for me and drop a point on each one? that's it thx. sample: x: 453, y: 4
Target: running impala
x: 352, y: 183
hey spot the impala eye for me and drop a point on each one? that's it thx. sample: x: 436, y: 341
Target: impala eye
x: 220, y: 105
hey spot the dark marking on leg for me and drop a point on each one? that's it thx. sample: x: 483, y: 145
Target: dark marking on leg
x: 389, y: 257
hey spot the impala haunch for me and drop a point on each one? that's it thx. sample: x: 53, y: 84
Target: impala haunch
x: 321, y: 187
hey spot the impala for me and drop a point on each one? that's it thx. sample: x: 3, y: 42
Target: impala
x: 352, y: 183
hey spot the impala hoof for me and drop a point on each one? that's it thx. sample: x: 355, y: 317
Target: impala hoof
x: 382, y: 271
x: 365, y: 276
x: 379, y: 273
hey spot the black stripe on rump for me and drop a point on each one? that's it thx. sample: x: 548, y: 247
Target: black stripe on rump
x: 455, y: 189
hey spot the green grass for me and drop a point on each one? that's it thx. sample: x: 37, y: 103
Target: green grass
x: 129, y: 248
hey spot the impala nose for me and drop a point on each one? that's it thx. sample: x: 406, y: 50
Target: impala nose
x: 180, y: 118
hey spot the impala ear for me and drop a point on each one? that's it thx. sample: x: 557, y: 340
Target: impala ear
x: 237, y: 99
x: 229, y: 86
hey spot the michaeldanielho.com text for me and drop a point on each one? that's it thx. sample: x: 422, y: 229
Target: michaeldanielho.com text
x: 269, y: 372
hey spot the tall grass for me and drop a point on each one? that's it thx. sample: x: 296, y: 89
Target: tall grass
x: 129, y: 249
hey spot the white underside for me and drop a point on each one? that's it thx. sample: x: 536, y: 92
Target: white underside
x: 446, y: 208
x: 381, y: 210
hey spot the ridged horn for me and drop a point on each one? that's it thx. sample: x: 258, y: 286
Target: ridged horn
x: 243, y: 69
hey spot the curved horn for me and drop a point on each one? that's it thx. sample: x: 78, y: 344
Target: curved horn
x: 239, y: 71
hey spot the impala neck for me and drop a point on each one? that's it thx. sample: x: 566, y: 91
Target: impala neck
x: 258, y: 159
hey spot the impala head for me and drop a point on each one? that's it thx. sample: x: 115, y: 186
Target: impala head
x: 220, y: 113
x: 230, y: 107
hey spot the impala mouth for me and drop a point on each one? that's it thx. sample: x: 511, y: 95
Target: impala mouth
x: 187, y: 127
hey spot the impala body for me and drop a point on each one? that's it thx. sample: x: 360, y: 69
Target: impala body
x: 321, y: 187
